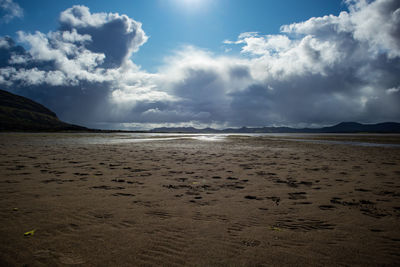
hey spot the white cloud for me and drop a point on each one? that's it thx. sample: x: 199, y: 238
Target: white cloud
x: 375, y: 24
x: 10, y: 10
x: 80, y: 17
x: 66, y: 51
x: 117, y: 36
x: 393, y: 90
x: 4, y: 43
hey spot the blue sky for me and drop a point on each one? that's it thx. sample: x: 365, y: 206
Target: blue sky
x: 171, y: 23
x: 204, y: 63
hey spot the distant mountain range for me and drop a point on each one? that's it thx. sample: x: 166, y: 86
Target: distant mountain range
x: 343, y: 127
x: 18, y: 113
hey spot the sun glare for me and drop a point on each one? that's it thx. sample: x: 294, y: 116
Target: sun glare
x: 193, y: 5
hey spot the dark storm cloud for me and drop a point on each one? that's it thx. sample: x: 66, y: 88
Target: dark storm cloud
x: 116, y: 36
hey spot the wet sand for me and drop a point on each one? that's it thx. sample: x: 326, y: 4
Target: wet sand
x: 241, y: 201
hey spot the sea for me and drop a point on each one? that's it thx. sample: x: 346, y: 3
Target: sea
x: 373, y: 140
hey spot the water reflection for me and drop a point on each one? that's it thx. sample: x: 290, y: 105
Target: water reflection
x: 114, y: 138
x: 120, y: 138
x: 351, y: 143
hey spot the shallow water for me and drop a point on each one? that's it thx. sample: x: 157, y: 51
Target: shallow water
x: 108, y: 138
x: 351, y: 143
x: 377, y: 140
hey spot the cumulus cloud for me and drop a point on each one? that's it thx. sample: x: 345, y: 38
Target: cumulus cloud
x: 320, y: 71
x: 117, y: 36
x: 10, y: 10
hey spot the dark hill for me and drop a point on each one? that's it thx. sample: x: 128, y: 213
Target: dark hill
x: 354, y: 127
x: 343, y: 127
x: 18, y: 113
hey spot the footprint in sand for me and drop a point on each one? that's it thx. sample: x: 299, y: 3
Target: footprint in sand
x: 67, y: 259
x: 327, y: 207
x: 71, y: 260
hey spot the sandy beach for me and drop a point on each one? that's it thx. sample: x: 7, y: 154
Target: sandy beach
x: 232, y: 201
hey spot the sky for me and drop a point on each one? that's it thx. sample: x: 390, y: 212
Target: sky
x: 205, y: 63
